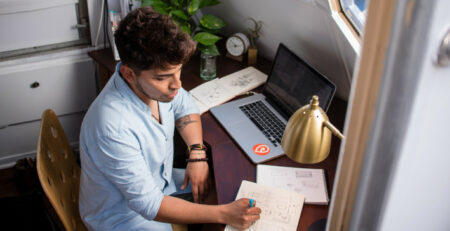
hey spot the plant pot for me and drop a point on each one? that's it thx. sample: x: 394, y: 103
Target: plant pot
x: 208, y: 66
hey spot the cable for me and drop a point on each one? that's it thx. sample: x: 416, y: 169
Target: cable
x: 106, y: 33
x: 105, y: 23
x: 99, y: 24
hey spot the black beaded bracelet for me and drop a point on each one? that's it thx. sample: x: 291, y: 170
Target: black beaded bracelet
x: 196, y: 160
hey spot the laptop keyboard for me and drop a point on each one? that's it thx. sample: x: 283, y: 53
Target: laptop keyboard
x: 265, y: 120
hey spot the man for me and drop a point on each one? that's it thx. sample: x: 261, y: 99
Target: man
x: 126, y: 138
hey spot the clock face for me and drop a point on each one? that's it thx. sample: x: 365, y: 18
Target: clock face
x: 235, y: 46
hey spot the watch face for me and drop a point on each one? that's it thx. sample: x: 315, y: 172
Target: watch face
x: 235, y: 46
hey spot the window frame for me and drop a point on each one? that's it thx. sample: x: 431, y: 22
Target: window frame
x: 353, y: 14
x: 346, y: 27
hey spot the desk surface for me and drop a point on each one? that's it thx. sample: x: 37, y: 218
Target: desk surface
x: 230, y: 164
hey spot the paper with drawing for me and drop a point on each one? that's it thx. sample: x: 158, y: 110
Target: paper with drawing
x: 220, y: 90
x: 281, y: 208
x: 307, y: 181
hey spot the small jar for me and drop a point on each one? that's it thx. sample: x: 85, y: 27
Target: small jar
x: 207, y: 66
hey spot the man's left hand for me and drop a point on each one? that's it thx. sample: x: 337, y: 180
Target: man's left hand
x: 198, y: 174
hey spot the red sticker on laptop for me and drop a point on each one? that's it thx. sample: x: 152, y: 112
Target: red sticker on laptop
x: 261, y: 149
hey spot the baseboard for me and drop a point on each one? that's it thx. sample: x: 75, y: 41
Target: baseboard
x: 10, y: 160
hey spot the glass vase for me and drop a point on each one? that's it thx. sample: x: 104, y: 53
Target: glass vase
x: 207, y: 66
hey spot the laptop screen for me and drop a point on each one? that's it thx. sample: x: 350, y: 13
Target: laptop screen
x: 292, y: 83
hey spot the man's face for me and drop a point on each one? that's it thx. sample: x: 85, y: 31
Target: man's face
x: 156, y: 84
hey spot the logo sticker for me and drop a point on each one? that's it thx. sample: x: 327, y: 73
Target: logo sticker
x: 261, y: 149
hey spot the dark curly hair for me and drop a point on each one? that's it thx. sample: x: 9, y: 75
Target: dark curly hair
x: 146, y: 39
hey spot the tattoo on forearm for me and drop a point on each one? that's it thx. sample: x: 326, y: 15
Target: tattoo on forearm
x: 182, y: 122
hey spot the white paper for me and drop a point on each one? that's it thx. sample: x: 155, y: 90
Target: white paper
x: 243, y: 80
x: 307, y: 181
x: 280, y: 208
x: 211, y: 93
x: 220, y: 90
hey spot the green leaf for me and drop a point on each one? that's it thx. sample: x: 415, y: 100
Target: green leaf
x: 147, y: 3
x: 161, y: 7
x: 209, y: 30
x: 186, y: 27
x: 206, y: 38
x: 210, y: 50
x: 180, y: 14
x: 194, y: 5
x: 177, y: 3
x: 204, y: 3
x: 212, y: 22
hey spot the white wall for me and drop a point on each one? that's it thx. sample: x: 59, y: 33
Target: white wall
x: 418, y: 198
x: 305, y: 26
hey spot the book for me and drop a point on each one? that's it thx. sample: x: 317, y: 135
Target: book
x: 307, y: 181
x: 221, y: 90
x: 280, y: 208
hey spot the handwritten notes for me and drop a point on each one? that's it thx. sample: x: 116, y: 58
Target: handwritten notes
x: 280, y: 208
x: 220, y: 90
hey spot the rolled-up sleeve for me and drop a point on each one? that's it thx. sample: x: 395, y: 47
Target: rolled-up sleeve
x: 184, y: 104
x: 121, y: 161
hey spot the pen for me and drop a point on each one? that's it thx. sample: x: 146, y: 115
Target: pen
x: 251, y: 203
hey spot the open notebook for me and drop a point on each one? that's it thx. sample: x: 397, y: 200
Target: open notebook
x: 280, y: 208
x: 221, y: 90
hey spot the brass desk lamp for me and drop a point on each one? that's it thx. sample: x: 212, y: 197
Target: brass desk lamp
x: 307, y: 136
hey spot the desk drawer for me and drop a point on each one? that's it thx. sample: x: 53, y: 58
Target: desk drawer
x: 65, y: 84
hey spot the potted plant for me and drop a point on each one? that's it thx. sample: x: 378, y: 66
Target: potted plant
x: 205, y: 31
x: 254, y: 35
x: 182, y: 12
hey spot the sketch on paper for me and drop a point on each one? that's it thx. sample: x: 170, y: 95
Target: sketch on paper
x: 280, y: 209
x: 220, y: 90
x: 211, y: 93
x: 307, y: 181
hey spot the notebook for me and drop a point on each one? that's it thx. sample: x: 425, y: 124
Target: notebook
x: 257, y: 122
x: 280, y: 208
x: 220, y: 90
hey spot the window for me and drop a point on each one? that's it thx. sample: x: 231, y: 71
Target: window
x: 355, y: 10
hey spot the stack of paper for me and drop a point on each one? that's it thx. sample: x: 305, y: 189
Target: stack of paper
x: 307, y: 181
x: 280, y: 208
x: 220, y: 90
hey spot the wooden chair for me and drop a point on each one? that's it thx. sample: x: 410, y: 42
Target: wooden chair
x: 58, y: 171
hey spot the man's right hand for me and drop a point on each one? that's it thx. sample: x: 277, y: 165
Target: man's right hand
x: 240, y: 215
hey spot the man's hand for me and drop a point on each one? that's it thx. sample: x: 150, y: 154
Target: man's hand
x: 198, y: 174
x: 240, y: 215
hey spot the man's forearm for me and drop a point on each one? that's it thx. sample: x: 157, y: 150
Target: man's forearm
x: 237, y: 214
x: 178, y: 211
x: 190, y: 129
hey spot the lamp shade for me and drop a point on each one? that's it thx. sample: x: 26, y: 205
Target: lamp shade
x: 307, y: 137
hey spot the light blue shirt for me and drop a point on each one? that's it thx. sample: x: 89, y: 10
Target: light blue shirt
x: 127, y: 157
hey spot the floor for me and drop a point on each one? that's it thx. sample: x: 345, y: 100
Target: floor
x: 22, y: 203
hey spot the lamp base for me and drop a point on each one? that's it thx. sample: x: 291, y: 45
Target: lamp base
x: 318, y: 225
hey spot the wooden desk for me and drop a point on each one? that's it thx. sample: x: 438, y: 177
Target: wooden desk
x: 230, y: 164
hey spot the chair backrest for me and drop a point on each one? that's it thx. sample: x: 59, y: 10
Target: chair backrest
x: 58, y: 171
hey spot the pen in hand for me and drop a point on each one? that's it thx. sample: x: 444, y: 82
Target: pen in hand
x: 251, y: 203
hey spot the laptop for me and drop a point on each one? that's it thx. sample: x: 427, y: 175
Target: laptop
x: 257, y: 122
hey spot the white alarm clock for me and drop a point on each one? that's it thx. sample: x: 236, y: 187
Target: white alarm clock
x: 237, y: 44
